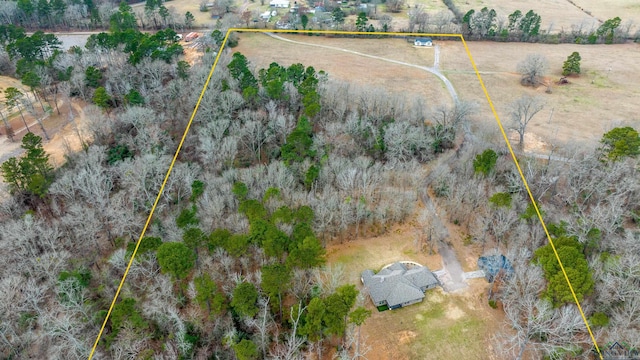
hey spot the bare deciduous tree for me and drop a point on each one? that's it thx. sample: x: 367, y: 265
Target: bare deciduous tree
x: 532, y: 69
x: 531, y: 316
x: 419, y: 18
x: 522, y: 111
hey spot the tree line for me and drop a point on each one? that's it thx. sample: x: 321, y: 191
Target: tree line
x: 89, y: 15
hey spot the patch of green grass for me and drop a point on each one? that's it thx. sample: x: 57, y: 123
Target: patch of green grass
x: 409, y: 252
x: 437, y: 335
x: 583, y: 100
x: 351, y: 257
x: 443, y: 338
x: 467, y: 240
x: 435, y: 311
x: 598, y: 79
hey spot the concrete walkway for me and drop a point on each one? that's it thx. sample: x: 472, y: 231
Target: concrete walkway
x: 453, y: 279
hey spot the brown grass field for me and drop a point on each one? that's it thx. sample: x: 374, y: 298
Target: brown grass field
x: 262, y: 50
x: 561, y: 14
x: 555, y: 13
x: 430, y: 5
x: 602, y: 97
x: 625, y: 9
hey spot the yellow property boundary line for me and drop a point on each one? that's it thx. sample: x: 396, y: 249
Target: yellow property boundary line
x: 331, y: 32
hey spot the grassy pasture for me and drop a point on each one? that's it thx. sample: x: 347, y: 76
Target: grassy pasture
x: 602, y: 97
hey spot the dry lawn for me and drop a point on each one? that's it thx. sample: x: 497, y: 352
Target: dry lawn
x: 262, y: 50
x: 556, y: 14
x: 562, y: 14
x: 604, y: 96
x: 443, y: 326
x: 6, y: 82
x: 64, y: 136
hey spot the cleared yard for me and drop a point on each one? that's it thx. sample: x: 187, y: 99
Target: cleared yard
x: 443, y: 326
x: 262, y: 50
x: 64, y: 136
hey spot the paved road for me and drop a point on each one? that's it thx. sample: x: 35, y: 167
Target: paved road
x: 434, y: 70
x: 454, y: 279
x: 451, y: 276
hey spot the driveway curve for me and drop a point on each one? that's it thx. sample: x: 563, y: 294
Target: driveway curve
x: 434, y: 70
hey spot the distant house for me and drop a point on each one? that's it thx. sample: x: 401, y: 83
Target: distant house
x: 397, y: 285
x: 423, y: 42
x: 279, y: 3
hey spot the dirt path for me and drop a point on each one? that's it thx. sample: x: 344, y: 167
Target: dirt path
x: 434, y: 70
x: 584, y: 11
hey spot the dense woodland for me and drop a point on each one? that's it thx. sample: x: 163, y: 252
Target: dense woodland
x: 278, y: 162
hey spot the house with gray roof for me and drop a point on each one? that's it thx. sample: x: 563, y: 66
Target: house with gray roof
x: 398, y: 284
x: 423, y: 42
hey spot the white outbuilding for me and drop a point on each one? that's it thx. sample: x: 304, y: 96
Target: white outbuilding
x: 279, y: 3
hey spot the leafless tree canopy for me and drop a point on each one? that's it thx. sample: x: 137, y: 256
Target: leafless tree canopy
x: 365, y: 161
x: 533, y: 68
x: 522, y: 112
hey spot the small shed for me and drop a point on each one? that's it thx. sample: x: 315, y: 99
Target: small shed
x: 266, y: 15
x: 493, y: 264
x: 423, y: 42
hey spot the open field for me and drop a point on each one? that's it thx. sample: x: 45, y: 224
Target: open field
x: 202, y: 19
x: 561, y: 14
x: 625, y: 9
x: 262, y: 50
x: 429, y: 5
x: 556, y: 14
x: 443, y: 326
x: 604, y: 96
